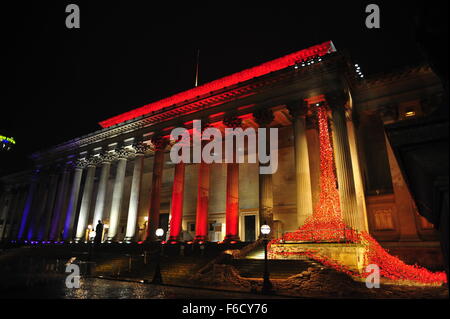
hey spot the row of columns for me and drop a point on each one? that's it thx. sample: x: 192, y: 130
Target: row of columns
x: 56, y: 192
x: 350, y: 186
x: 105, y: 159
x: 348, y: 179
x: 12, y: 204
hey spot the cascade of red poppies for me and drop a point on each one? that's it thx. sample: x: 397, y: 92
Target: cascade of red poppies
x: 327, y: 225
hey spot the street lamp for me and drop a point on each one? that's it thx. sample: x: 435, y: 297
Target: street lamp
x: 159, y: 233
x: 267, y: 285
x: 157, y: 278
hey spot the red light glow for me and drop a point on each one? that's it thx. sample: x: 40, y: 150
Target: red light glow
x: 257, y: 71
x: 327, y: 225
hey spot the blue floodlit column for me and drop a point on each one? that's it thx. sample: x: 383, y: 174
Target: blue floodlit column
x: 86, y: 201
x: 50, y: 203
x: 59, y: 205
x: 28, y: 204
x: 73, y: 199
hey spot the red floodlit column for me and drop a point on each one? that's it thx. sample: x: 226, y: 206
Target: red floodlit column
x: 232, y: 202
x: 177, y: 202
x: 201, y: 223
x: 232, y: 205
x: 155, y: 195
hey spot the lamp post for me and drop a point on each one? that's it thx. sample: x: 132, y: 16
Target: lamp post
x: 157, y: 278
x: 267, y: 285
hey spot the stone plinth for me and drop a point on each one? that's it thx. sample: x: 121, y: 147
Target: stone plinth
x: 348, y: 254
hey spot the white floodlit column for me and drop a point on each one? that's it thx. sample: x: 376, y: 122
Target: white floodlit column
x: 135, y: 191
x: 85, y: 202
x: 303, y: 178
x: 359, y: 186
x: 101, y: 193
x: 117, y: 195
x: 344, y: 169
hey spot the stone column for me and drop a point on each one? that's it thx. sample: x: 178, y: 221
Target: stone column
x: 232, y: 196
x: 298, y: 112
x: 6, y: 210
x: 159, y: 144
x: 73, y: 199
x: 117, y: 195
x: 133, y: 207
x: 59, y: 205
x: 312, y: 135
x: 5, y: 198
x: 86, y: 200
x: 37, y: 207
x: 49, y: 205
x: 28, y: 205
x: 40, y: 219
x: 176, y: 214
x: 203, y: 186
x: 264, y: 118
x: 359, y: 185
x: 201, y: 221
x: 99, y: 210
x: 342, y: 156
x: 17, y: 214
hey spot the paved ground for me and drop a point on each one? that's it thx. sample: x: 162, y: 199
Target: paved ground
x: 19, y: 280
x: 92, y: 288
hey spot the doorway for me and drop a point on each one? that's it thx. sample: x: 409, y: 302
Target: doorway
x: 250, y: 228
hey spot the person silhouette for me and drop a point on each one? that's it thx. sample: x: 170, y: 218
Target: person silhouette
x: 98, y: 233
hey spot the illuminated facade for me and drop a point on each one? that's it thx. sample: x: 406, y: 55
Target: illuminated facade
x: 122, y: 174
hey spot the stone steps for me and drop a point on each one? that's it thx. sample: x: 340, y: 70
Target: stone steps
x: 278, y: 269
x: 171, y: 268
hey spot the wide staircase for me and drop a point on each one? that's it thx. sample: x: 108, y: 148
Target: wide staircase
x: 174, y: 269
x: 279, y: 269
x: 252, y: 265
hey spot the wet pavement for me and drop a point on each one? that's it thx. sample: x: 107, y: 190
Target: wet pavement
x: 92, y: 288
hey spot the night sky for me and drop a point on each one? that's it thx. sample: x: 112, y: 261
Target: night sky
x: 59, y: 83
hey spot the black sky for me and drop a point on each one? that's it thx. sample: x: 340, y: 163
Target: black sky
x: 59, y: 83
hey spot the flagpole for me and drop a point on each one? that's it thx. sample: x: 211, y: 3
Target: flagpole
x: 196, y: 71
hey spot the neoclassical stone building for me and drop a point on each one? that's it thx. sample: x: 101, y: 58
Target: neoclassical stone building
x: 123, y: 175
